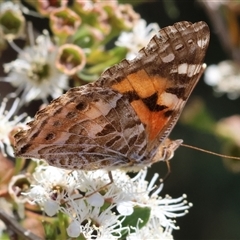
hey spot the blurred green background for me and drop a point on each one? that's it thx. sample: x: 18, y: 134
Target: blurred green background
x: 209, y: 185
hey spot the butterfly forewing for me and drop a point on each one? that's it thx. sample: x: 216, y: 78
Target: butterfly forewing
x: 123, y: 118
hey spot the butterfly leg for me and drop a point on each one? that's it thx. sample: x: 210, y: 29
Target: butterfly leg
x: 99, y: 189
x: 168, y: 171
x: 165, y: 153
x: 104, y: 186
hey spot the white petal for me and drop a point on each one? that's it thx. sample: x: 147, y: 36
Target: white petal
x: 125, y: 208
x: 96, y: 200
x: 51, y: 208
x: 73, y: 229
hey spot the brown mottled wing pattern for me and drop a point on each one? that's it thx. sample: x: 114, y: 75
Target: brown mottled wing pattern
x: 121, y: 119
x: 87, y: 128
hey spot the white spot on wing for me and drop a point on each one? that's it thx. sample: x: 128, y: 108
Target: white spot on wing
x: 188, y: 69
x: 193, y: 69
x: 178, y: 47
x: 182, y: 68
x: 168, y: 99
x: 166, y: 59
x: 203, y: 42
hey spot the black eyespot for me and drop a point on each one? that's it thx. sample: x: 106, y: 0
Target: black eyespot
x: 50, y: 136
x: 81, y: 106
x: 168, y: 113
x: 25, y: 148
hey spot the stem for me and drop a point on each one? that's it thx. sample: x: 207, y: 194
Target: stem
x: 14, y: 226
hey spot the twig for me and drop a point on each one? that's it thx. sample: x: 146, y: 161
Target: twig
x: 14, y: 226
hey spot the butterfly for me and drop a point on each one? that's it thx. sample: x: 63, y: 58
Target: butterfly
x: 124, y: 118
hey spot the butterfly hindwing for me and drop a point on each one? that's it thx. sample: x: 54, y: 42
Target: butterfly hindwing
x: 85, y: 129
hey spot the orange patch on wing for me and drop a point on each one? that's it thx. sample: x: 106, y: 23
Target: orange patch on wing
x: 123, y: 86
x: 160, y: 83
x: 143, y: 84
x: 140, y: 82
x: 155, y: 121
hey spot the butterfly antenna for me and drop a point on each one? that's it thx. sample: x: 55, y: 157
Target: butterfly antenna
x: 210, y: 152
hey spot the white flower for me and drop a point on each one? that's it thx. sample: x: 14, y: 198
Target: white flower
x: 101, y: 211
x: 34, y: 72
x: 9, y: 122
x: 225, y: 78
x: 163, y: 210
x: 51, y: 184
x: 138, y: 38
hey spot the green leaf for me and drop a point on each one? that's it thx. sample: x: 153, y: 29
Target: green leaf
x: 87, y: 77
x: 56, y: 229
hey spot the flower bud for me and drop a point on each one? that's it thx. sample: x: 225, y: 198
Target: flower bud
x: 121, y: 16
x: 45, y: 7
x: 70, y: 59
x: 18, y: 185
x: 12, y: 22
x: 64, y: 22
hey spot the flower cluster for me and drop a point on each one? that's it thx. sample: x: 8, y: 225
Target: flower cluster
x: 127, y: 208
x: 53, y: 203
x: 45, y: 66
x: 9, y: 124
x: 224, y: 77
